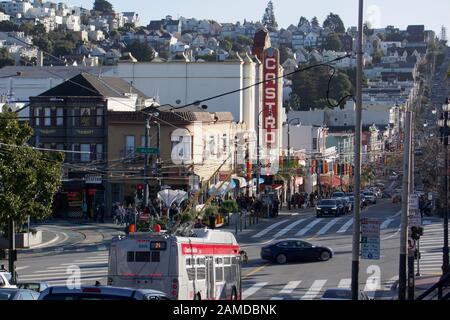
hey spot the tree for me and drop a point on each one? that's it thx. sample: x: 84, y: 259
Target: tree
x: 43, y: 43
x: 63, y: 48
x: 303, y: 22
x: 8, y: 26
x: 244, y: 40
x: 334, y: 23
x: 30, y: 178
x: 315, y: 22
x: 141, y: 51
x: 333, y: 43
x: 311, y: 86
x: 284, y: 53
x: 103, y: 6
x: 6, y: 58
x: 226, y: 45
x: 268, y: 19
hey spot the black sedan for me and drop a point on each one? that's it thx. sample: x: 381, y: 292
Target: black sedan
x: 293, y: 250
x: 332, y: 207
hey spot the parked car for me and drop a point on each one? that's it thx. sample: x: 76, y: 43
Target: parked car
x: 290, y: 250
x: 18, y: 294
x: 348, y: 206
x: 5, y: 278
x: 35, y: 286
x: 397, y: 198
x: 352, y: 201
x: 329, y: 207
x: 342, y: 294
x: 62, y: 293
x: 370, y: 197
x: 338, y: 195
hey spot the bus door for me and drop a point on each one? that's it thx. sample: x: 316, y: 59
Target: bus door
x: 210, y: 278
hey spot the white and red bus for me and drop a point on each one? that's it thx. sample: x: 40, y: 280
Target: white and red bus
x: 206, y: 266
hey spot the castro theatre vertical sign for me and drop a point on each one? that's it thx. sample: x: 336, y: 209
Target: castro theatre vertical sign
x: 271, y: 126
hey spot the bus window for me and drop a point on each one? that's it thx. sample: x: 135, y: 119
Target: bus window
x: 190, y: 268
x: 227, y: 261
x: 228, y: 276
x: 201, y: 261
x: 201, y: 269
x: 219, y: 269
x: 155, y: 256
x: 142, y: 256
x: 130, y: 256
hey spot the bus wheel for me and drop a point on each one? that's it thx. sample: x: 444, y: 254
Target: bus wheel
x: 234, y: 294
x: 198, y: 296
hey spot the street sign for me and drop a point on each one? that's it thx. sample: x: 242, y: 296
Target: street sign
x: 415, y: 219
x: 91, y: 179
x: 370, y: 239
x: 413, y: 202
x: 144, y: 150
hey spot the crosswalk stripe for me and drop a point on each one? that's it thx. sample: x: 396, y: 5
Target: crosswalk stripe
x: 390, y: 283
x: 290, y: 287
x: 328, y: 226
x: 22, y: 268
x: 386, y: 224
x: 268, y: 229
x: 84, y: 263
x: 303, y: 231
x: 289, y: 228
x: 346, y: 226
x: 64, y: 269
x: 253, y: 289
x: 345, y: 283
x: 314, y: 290
x: 58, y: 274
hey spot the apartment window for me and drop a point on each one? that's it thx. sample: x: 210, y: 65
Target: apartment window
x: 129, y: 145
x: 224, y: 144
x: 60, y: 146
x: 99, y: 151
x: 99, y: 119
x: 143, y: 141
x: 59, y: 116
x: 85, y: 117
x: 37, y: 119
x: 47, y: 117
x: 314, y: 144
x: 85, y: 155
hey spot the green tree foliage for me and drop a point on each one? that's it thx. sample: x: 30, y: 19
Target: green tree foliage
x: 63, y: 47
x: 334, y: 23
x: 244, y: 40
x: 6, y: 58
x: 311, y: 87
x: 315, y: 22
x: 103, y: 6
x: 303, y: 22
x: 141, y: 51
x: 268, y: 19
x: 43, y: 43
x: 226, y: 44
x: 333, y: 42
x: 29, y: 178
x: 284, y: 53
x: 8, y: 26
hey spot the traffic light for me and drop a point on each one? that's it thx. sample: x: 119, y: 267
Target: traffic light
x: 416, y: 233
x: 158, y: 169
x: 140, y: 191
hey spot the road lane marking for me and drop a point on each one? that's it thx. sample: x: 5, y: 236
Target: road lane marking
x: 254, y: 271
x: 253, y: 289
x: 314, y: 290
x: 270, y: 228
x: 345, y: 283
x: 303, y: 231
x: 290, y: 287
x: 84, y: 263
x: 21, y: 268
x: 386, y: 223
x: 288, y: 228
x: 346, y: 226
x: 328, y: 226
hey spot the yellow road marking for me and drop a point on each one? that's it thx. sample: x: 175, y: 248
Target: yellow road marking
x: 255, y: 271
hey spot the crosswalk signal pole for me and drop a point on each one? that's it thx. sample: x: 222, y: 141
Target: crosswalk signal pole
x: 358, y: 134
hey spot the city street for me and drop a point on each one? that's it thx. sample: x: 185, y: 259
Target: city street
x: 85, y: 253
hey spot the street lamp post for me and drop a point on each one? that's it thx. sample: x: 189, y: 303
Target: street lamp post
x: 288, y: 124
x: 444, y: 126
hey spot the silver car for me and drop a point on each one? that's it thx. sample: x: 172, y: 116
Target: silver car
x: 63, y: 293
x: 342, y: 294
x: 370, y: 197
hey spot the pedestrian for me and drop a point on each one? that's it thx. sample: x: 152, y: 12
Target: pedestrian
x: 276, y: 206
x: 102, y: 213
x: 96, y: 212
x: 173, y: 211
x: 84, y: 210
x: 198, y: 224
x: 212, y: 221
x: 2, y: 268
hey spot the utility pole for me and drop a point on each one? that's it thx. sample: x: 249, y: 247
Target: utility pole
x: 411, y: 277
x: 289, y: 165
x: 358, y: 134
x: 12, y: 254
x: 158, y: 159
x: 147, y: 144
x: 405, y: 209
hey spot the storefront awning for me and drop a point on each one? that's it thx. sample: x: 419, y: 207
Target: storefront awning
x: 241, y: 181
x: 226, y: 187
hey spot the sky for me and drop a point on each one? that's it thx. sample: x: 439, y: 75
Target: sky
x: 379, y: 12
